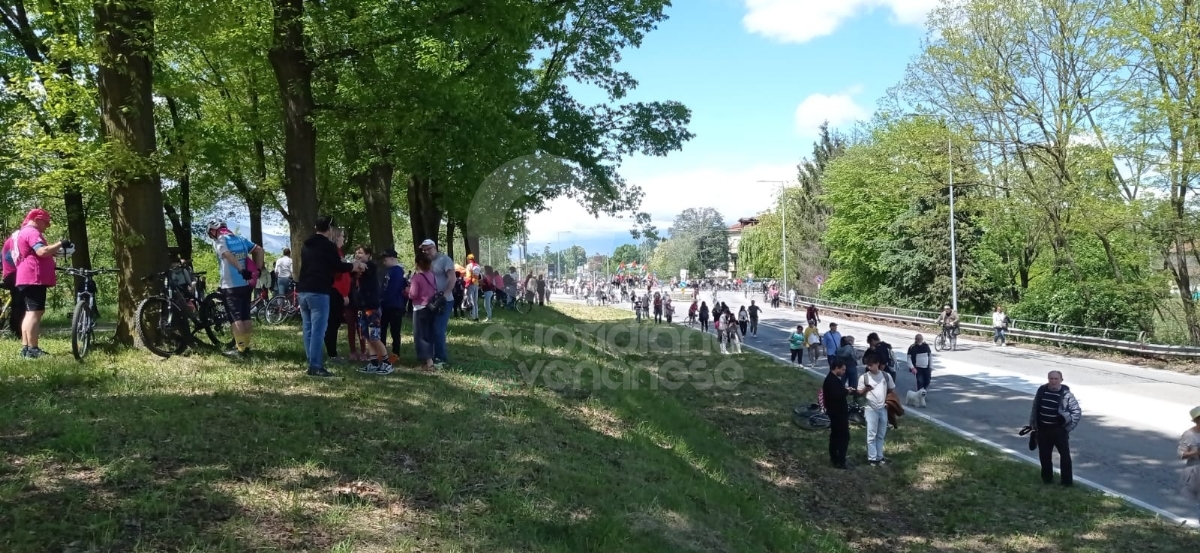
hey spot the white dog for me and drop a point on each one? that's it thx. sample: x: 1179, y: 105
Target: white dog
x: 915, y: 398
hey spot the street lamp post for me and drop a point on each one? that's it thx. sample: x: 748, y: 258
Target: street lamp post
x: 953, y: 237
x: 783, y: 227
x: 558, y: 270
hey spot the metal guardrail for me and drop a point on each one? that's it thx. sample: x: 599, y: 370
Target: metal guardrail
x: 1016, y: 328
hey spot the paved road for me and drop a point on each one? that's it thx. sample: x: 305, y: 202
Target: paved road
x: 1132, y: 416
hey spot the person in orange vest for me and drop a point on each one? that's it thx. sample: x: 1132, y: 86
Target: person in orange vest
x: 471, y: 279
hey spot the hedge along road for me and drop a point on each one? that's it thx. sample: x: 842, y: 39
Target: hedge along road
x: 1132, y: 416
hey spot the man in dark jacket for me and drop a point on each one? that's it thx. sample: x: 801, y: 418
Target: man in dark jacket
x: 394, y: 302
x: 884, y: 351
x: 319, y: 262
x: 1054, y: 415
x: 834, y: 394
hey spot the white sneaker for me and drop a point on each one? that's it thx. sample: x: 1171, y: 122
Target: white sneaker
x: 385, y: 368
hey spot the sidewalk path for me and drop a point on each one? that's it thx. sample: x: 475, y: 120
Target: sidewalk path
x: 1132, y: 416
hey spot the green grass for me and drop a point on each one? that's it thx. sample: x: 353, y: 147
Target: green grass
x: 132, y: 453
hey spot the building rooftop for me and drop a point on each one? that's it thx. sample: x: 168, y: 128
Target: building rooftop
x: 743, y: 223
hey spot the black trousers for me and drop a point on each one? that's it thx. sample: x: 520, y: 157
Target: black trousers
x: 839, y: 439
x: 924, y: 376
x: 754, y: 327
x: 1050, y: 438
x: 798, y: 356
x: 337, y: 309
x: 393, y: 320
x: 16, y: 312
x: 743, y: 325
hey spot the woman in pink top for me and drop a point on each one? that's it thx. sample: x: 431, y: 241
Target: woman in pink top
x: 421, y: 288
x: 35, y: 275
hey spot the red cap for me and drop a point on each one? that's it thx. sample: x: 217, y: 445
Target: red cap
x: 38, y: 213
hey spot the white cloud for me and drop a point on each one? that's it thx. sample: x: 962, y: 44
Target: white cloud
x: 839, y: 109
x: 803, y: 20
x: 734, y: 192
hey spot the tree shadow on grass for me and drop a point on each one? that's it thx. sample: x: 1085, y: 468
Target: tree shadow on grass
x: 275, y: 462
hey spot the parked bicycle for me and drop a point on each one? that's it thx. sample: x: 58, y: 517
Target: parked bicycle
x: 168, y: 323
x: 258, y: 309
x: 83, y: 320
x: 282, y: 308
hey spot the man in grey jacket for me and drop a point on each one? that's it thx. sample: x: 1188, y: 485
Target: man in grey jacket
x: 1054, y: 415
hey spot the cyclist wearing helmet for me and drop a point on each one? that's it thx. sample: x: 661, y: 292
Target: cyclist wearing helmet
x: 240, y: 261
x: 949, y: 320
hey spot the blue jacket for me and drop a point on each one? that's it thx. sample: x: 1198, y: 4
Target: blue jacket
x: 394, y: 284
x: 832, y: 340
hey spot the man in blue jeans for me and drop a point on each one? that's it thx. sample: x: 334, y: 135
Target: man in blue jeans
x: 319, y: 263
x: 442, y: 268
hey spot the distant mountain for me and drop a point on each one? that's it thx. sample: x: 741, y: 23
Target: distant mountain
x: 275, y: 243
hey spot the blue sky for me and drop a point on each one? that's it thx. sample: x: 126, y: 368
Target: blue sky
x: 759, y: 77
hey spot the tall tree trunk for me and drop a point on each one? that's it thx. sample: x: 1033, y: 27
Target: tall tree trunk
x: 470, y: 241
x: 449, y: 246
x: 424, y: 215
x: 181, y: 217
x: 77, y: 227
x: 377, y: 198
x: 293, y: 71
x: 126, y: 42
x: 255, y: 204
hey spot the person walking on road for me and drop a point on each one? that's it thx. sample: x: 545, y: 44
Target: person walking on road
x: 796, y: 344
x: 834, y: 394
x: 999, y: 326
x: 1054, y: 415
x: 884, y: 351
x: 753, y: 311
x: 812, y: 340
x: 874, y: 386
x: 831, y: 341
x: 1189, y: 451
x: 704, y: 316
x: 921, y: 359
x: 846, y: 353
x: 743, y: 320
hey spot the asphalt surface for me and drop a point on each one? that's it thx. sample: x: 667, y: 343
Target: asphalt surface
x: 1132, y: 416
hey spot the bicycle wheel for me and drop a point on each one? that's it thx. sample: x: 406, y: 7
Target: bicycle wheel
x: 81, y: 331
x: 522, y: 306
x: 215, y: 321
x: 258, y: 310
x: 939, y: 343
x: 161, y: 327
x: 276, y: 310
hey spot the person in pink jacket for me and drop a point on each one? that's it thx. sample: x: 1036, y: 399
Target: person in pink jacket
x: 421, y: 289
x: 35, y: 275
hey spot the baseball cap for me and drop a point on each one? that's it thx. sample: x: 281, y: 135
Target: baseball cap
x: 427, y: 243
x: 38, y: 214
x: 1195, y: 413
x: 389, y: 253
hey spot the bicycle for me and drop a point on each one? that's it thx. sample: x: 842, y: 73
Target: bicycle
x: 282, y: 308
x: 169, y: 322
x: 814, y: 417
x: 523, y: 302
x: 947, y: 340
x: 83, y: 320
x: 258, y: 308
